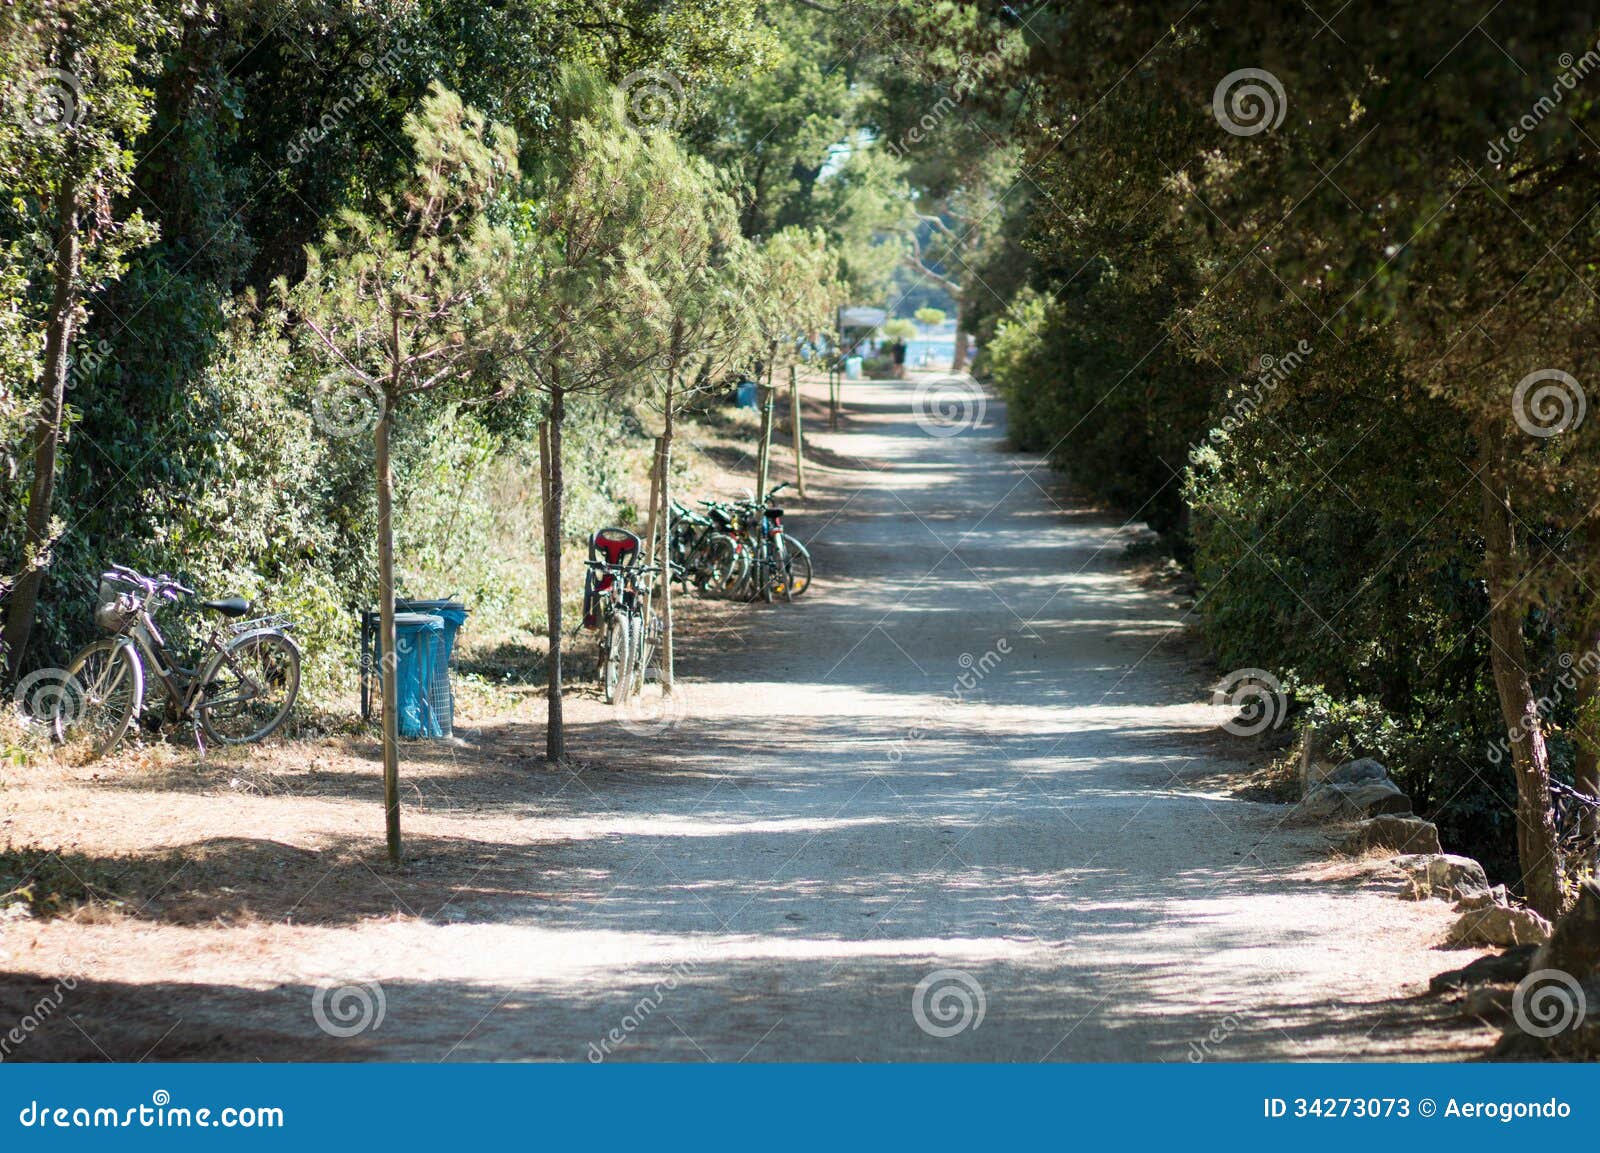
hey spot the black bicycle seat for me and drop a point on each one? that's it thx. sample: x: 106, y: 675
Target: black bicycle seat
x: 228, y: 606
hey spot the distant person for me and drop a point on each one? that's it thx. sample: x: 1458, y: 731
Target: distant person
x: 897, y: 350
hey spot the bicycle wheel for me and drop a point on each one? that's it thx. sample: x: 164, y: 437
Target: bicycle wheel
x: 684, y: 555
x: 248, y: 688
x: 633, y: 682
x: 111, y: 682
x: 766, y: 570
x: 796, y: 569
x: 616, y: 660
x: 743, y: 587
x: 723, y: 565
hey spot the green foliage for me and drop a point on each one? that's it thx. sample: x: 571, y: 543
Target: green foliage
x: 930, y: 317
x: 608, y: 232
x: 793, y: 292
x: 700, y: 172
x: 865, y: 210
x: 779, y: 126
x: 1091, y: 382
x: 396, y: 299
x: 1294, y: 348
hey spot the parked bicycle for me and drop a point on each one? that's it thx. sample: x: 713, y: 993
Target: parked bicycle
x: 691, y: 547
x: 238, y: 688
x: 617, y: 600
x: 720, y: 561
x: 746, y: 551
x: 782, y: 565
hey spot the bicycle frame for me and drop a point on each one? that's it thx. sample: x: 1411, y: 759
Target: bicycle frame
x: 628, y: 595
x: 624, y: 593
x: 183, y: 684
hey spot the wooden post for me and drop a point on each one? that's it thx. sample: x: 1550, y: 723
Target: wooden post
x: 389, y: 665
x: 666, y: 553
x: 555, y: 729
x: 655, y: 504
x: 794, y: 419
x: 764, y: 451
x: 833, y: 397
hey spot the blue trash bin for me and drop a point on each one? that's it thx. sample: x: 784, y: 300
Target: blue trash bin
x: 746, y: 395
x: 419, y: 648
x: 441, y: 697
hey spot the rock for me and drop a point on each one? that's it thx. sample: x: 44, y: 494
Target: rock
x: 1495, y: 969
x: 1375, y: 798
x: 1499, y: 925
x: 1444, y: 875
x: 1498, y: 895
x: 1321, y: 803
x: 1358, y: 772
x: 1353, y: 802
x: 1402, y: 834
x: 1574, y: 945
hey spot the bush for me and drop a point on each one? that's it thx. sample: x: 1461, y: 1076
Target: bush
x: 253, y: 498
x: 1341, y: 562
x: 1089, y: 379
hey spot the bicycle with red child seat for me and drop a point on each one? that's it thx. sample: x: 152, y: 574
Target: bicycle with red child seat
x: 618, y: 591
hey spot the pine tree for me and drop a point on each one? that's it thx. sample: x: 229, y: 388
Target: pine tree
x: 404, y: 301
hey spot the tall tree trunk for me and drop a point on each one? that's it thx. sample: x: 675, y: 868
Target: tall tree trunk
x: 555, y: 737
x: 390, y: 665
x: 764, y: 446
x: 1530, y: 757
x: 797, y: 432
x: 958, y: 361
x: 666, y: 522
x: 1586, y: 739
x: 47, y: 428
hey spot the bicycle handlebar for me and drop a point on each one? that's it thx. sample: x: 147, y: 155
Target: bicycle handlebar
x: 622, y: 567
x: 161, y: 585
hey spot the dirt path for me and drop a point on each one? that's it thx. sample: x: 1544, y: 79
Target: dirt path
x: 966, y: 755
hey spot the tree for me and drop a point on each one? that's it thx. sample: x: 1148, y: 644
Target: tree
x: 929, y: 317
x: 864, y: 204
x: 778, y: 126
x: 402, y: 303
x: 595, y: 256
x: 710, y: 313
x: 943, y: 107
x: 1443, y: 267
x: 949, y: 241
x: 793, y: 293
x: 68, y: 154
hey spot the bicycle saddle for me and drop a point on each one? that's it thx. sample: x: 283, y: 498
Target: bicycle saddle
x: 228, y: 606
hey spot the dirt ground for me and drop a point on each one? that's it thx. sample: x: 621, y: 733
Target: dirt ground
x: 963, y: 801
